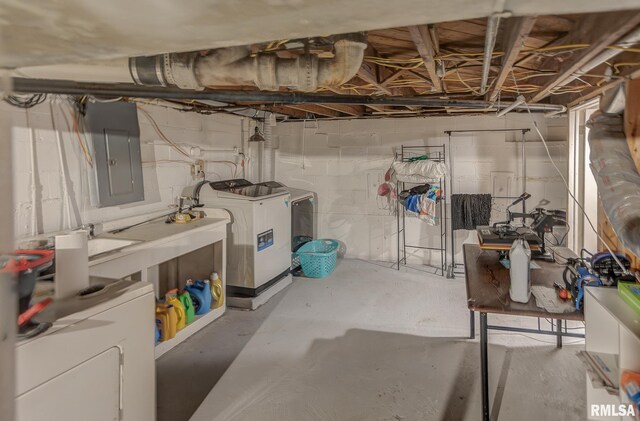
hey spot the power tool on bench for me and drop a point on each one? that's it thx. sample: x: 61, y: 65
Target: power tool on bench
x: 601, y: 269
x: 501, y: 235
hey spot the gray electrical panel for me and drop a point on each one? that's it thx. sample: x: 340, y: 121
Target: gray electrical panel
x: 115, y: 139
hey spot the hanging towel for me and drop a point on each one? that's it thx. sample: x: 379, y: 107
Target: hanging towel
x: 428, y: 210
x: 470, y: 210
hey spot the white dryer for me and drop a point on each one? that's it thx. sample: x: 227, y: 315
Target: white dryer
x: 96, y: 362
x: 304, y: 225
x: 259, y: 238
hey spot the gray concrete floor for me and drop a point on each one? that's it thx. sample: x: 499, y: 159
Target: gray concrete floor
x: 366, y: 343
x: 186, y: 374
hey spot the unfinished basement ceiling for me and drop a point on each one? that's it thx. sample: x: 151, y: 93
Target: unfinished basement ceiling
x: 532, y: 57
x: 440, y: 67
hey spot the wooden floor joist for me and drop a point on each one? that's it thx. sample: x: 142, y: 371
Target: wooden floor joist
x: 422, y: 39
x: 352, y: 110
x: 368, y: 74
x: 516, y: 32
x: 315, y: 109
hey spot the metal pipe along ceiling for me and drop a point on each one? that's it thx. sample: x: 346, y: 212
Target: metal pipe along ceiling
x: 489, y: 43
x: 27, y: 86
x: 631, y: 38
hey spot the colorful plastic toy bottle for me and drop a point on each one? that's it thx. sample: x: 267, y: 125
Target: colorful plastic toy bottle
x: 217, y: 292
x: 187, y: 304
x: 171, y: 297
x: 200, y: 292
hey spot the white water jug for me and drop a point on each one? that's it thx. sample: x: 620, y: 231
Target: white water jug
x: 520, y: 257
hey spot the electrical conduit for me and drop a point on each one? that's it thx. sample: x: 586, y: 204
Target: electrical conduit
x: 34, y: 176
x: 268, y: 164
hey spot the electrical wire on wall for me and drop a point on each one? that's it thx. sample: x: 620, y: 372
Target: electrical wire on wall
x: 189, y: 159
x: 66, y: 206
x: 25, y: 101
x: 83, y: 163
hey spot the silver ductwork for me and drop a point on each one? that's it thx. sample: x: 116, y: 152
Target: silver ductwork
x: 220, y: 67
x: 616, y: 176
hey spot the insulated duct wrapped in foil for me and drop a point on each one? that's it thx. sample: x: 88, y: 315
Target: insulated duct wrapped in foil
x: 617, y: 177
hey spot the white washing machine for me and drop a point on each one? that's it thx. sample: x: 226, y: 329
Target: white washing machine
x: 96, y: 362
x: 259, y: 237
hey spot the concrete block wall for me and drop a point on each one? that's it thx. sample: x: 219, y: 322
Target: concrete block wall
x: 165, y: 171
x: 344, y: 162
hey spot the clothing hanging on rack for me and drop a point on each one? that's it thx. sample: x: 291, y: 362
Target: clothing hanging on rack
x: 470, y: 210
x: 423, y: 204
x: 420, y: 189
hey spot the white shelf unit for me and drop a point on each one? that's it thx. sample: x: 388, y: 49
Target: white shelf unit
x: 168, y: 256
x: 197, y: 264
x: 612, y: 327
x: 199, y: 323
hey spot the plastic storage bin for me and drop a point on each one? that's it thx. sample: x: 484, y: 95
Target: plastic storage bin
x: 318, y: 257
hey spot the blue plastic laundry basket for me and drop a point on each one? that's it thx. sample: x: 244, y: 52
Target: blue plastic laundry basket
x: 318, y: 257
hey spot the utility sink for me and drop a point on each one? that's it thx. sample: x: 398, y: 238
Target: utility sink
x: 104, y: 245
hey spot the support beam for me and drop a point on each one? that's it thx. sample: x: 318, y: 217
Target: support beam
x: 424, y: 44
x: 516, y: 32
x: 393, y: 76
x: 30, y: 86
x: 433, y: 31
x: 600, y: 31
x: 315, y: 109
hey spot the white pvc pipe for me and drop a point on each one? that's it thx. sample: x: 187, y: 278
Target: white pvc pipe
x: 268, y: 153
x: 260, y: 160
x: 243, y: 148
x: 629, y: 40
x: 218, y: 149
x: 34, y: 169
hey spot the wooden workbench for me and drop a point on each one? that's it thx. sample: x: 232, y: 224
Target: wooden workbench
x: 487, y: 283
